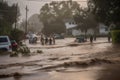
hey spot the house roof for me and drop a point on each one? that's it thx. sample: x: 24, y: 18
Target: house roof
x: 69, y: 20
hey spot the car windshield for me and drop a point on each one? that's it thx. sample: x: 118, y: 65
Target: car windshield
x: 3, y: 40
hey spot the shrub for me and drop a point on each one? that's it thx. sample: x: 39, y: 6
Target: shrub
x: 14, y: 54
x: 17, y: 35
x: 115, y: 36
x: 24, y: 50
x: 5, y: 28
x: 39, y: 51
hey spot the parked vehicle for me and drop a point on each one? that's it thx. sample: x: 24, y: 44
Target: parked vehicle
x: 33, y: 38
x: 14, y: 45
x: 27, y: 36
x: 80, y: 39
x: 58, y: 36
x: 5, y: 44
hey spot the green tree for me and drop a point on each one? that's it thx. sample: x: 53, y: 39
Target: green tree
x: 53, y: 15
x: 85, y: 20
x: 9, y: 17
x: 106, y: 11
x: 17, y: 35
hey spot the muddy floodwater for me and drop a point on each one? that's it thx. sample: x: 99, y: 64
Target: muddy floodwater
x: 66, y: 60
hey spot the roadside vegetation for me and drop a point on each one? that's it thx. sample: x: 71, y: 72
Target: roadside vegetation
x: 107, y: 12
x: 9, y: 17
x: 86, y: 18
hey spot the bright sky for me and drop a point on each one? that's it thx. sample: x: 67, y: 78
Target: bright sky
x: 35, y: 5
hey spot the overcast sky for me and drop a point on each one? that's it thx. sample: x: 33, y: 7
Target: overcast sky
x: 34, y: 6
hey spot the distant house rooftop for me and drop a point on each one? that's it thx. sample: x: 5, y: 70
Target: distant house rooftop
x: 70, y: 23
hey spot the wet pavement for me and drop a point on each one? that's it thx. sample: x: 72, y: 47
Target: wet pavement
x: 83, y: 61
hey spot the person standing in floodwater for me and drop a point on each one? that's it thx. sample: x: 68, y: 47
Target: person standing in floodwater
x: 42, y: 40
x: 109, y: 37
x: 53, y: 39
x: 46, y: 40
x: 94, y: 37
x: 91, y: 39
x: 50, y: 41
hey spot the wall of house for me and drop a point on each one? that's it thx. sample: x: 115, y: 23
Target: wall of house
x: 90, y: 32
x: 70, y: 25
x: 71, y: 29
x: 103, y: 30
x: 76, y: 32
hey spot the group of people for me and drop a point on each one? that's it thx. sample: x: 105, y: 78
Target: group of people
x: 44, y: 40
x: 93, y: 38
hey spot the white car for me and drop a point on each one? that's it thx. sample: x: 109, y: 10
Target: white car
x: 32, y: 37
x: 5, y: 44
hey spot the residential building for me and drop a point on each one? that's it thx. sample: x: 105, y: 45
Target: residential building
x: 103, y: 30
x: 71, y: 29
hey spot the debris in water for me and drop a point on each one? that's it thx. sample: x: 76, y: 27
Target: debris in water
x: 39, y: 51
x: 17, y: 75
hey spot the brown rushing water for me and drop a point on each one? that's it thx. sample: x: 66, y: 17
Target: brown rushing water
x: 53, y: 62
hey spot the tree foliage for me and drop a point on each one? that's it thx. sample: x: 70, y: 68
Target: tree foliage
x: 17, y: 35
x: 106, y: 11
x: 53, y: 15
x: 85, y: 20
x: 8, y: 17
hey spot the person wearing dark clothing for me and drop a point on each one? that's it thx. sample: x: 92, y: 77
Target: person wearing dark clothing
x: 94, y: 37
x: 91, y: 39
x: 42, y: 40
x: 109, y: 37
x: 46, y: 40
x: 35, y: 40
x: 53, y: 40
x: 50, y: 41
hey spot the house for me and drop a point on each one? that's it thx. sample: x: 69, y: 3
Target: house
x: 71, y: 29
x: 103, y: 30
x: 70, y: 24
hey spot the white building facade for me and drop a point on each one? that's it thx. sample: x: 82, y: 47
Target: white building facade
x: 103, y: 30
x: 71, y: 27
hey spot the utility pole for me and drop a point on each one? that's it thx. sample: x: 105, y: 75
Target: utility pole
x: 16, y: 15
x: 26, y: 19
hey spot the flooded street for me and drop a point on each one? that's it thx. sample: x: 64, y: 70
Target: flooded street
x: 81, y: 61
x: 59, y: 40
